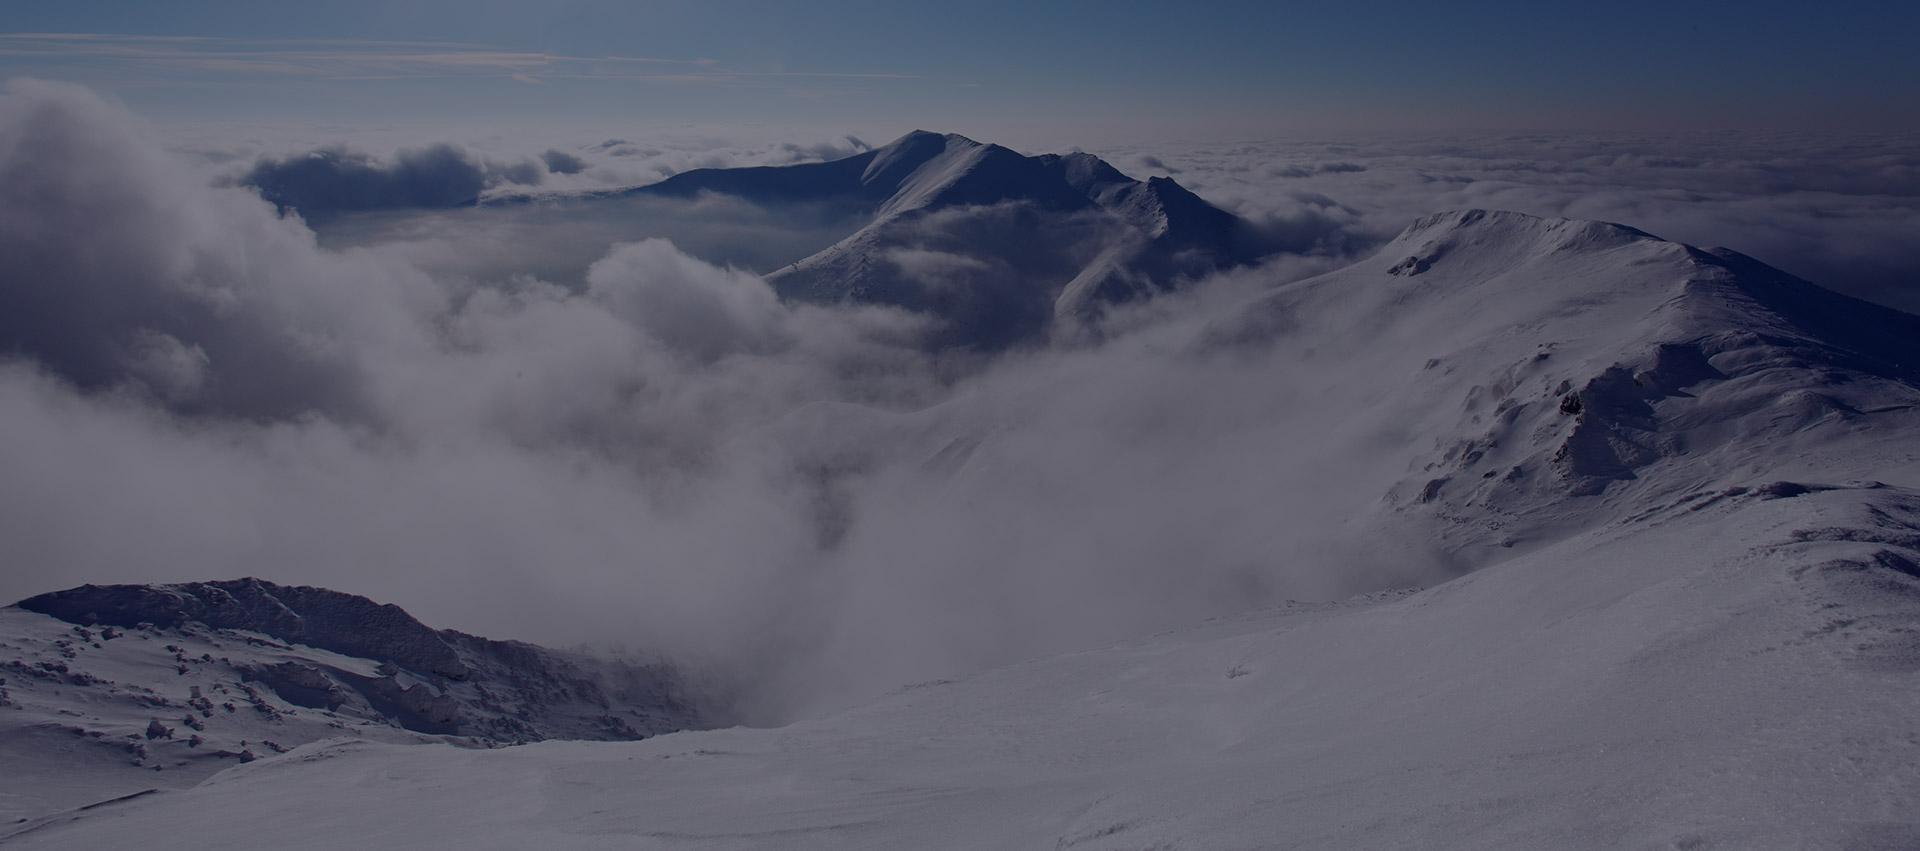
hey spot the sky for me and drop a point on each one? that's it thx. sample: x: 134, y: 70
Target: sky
x: 1209, y: 67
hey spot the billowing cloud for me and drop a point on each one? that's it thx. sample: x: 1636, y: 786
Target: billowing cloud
x: 803, y: 498
x: 689, y: 305
x: 124, y: 271
x: 561, y: 162
x: 338, y: 179
x: 523, y: 173
x: 829, y: 150
x: 655, y: 450
x: 341, y: 178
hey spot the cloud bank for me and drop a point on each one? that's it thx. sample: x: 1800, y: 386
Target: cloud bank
x: 340, y: 178
x: 805, y: 500
x: 334, y: 180
x: 653, y: 450
x: 1836, y: 209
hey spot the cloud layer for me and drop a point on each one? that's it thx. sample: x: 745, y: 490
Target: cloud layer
x: 334, y: 180
x: 804, y: 498
x: 1837, y: 209
x: 658, y: 452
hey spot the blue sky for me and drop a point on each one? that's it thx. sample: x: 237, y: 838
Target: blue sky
x: 1683, y: 64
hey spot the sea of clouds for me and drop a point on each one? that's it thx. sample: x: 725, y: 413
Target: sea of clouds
x: 561, y: 423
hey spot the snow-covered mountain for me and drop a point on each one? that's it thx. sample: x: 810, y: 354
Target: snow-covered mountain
x: 1003, y: 248
x: 1682, y: 487
x: 1488, y: 383
x: 1552, y: 374
x: 113, y: 689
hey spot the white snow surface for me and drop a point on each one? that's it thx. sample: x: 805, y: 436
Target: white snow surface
x: 1730, y: 671
x: 1690, y: 489
x: 78, y: 703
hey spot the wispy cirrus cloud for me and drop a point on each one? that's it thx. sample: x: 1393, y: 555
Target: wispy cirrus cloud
x: 356, y: 59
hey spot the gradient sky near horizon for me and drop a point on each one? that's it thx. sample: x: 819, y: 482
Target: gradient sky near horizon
x: 1386, y: 64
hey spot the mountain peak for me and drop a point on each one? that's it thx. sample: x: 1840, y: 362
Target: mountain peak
x: 993, y: 243
x: 1506, y: 238
x: 916, y: 136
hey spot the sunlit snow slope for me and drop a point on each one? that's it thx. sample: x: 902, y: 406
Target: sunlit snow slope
x: 1548, y: 374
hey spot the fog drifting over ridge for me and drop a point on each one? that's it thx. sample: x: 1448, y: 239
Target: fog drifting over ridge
x: 665, y: 457
x: 663, y: 454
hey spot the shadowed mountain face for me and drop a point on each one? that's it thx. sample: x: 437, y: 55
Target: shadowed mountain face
x: 1003, y: 249
x: 115, y: 689
x: 329, y: 620
x: 350, y: 657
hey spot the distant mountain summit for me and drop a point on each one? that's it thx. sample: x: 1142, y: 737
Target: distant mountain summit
x: 135, y: 686
x: 1003, y: 248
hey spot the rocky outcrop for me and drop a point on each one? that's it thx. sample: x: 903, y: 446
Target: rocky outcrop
x: 379, y: 664
x: 330, y: 620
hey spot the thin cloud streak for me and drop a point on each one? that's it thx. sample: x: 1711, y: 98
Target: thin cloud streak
x: 369, y: 60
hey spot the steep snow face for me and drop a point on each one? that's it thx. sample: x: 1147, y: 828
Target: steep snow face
x: 1000, y: 247
x: 1733, y: 670
x: 144, y: 686
x: 967, y: 173
x: 1160, y: 208
x: 890, y: 165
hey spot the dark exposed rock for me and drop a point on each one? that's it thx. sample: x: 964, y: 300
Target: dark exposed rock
x: 438, y: 682
x: 316, y: 617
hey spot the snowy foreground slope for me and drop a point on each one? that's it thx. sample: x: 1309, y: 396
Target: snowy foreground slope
x: 1733, y: 670
x: 1688, y: 492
